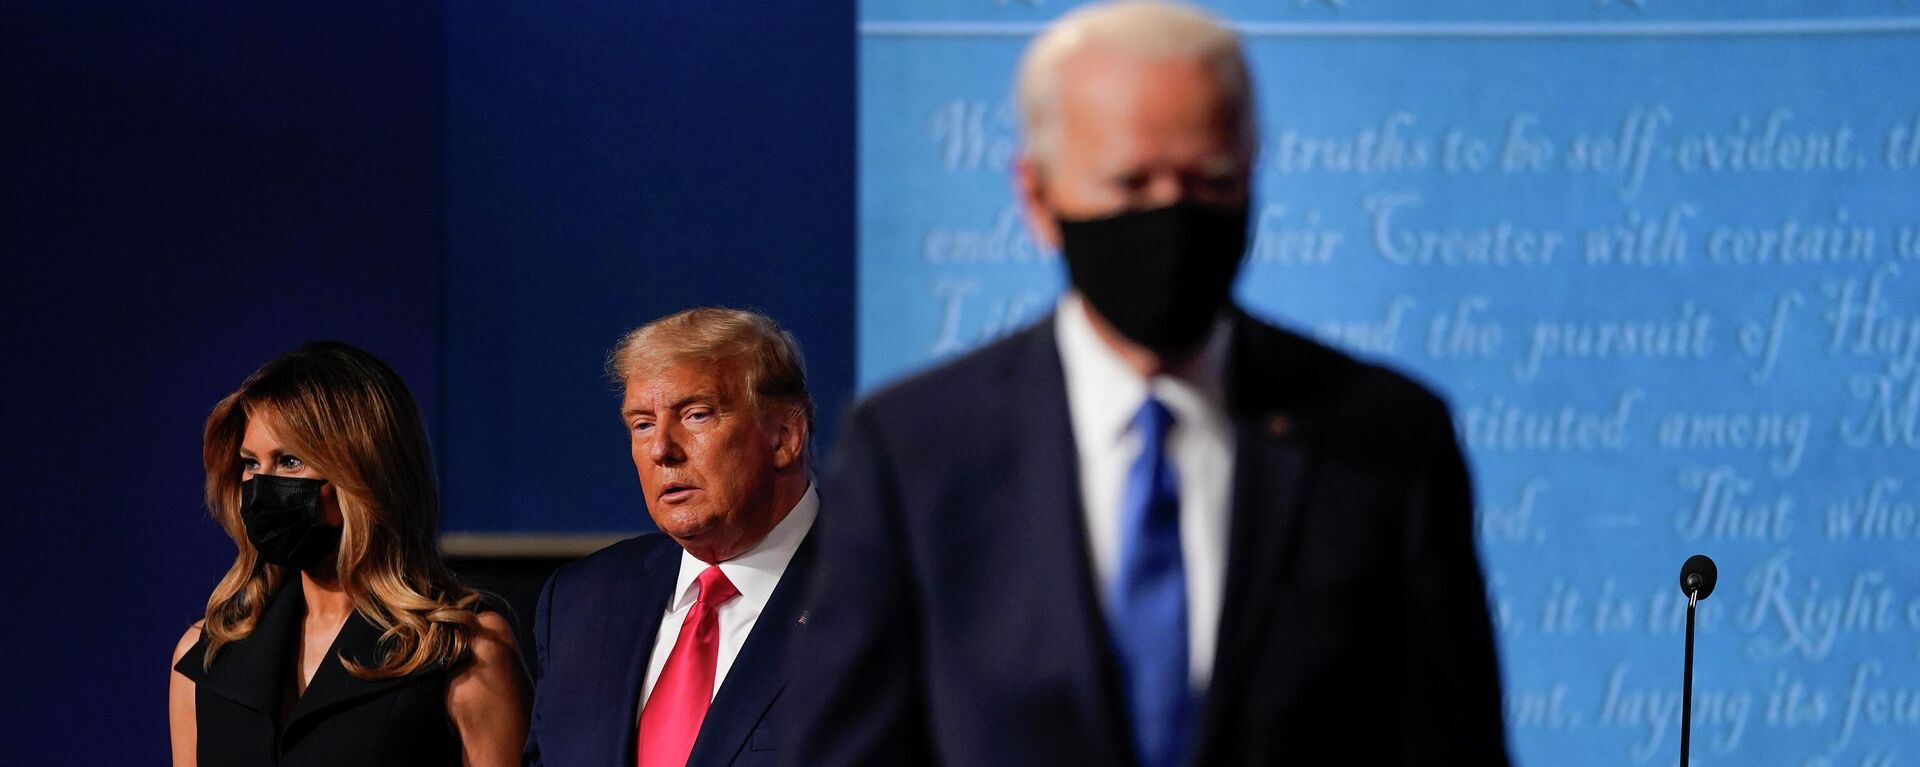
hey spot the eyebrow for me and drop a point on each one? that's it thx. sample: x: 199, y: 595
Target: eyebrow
x: 700, y: 397
x: 1221, y: 165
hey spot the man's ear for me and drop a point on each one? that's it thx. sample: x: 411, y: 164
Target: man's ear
x: 789, y: 434
x: 1030, y: 185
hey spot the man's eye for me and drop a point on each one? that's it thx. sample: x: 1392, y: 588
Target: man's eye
x: 697, y: 416
x: 1221, y: 186
x: 641, y: 427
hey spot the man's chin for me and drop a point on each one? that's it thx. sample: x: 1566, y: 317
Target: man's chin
x: 688, y: 526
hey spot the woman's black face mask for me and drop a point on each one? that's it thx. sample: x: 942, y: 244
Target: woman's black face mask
x: 282, y: 517
x: 1159, y: 276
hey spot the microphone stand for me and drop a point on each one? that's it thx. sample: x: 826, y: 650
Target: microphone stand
x: 1697, y: 577
x: 1686, y: 686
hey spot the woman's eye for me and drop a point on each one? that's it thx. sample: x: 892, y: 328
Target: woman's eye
x: 248, y: 464
x: 290, y: 463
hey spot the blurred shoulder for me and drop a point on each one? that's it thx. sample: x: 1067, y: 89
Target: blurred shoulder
x: 1350, y: 404
x: 959, y: 388
x: 1312, y: 374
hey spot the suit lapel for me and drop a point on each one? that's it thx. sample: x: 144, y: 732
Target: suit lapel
x: 1050, y: 489
x: 760, y: 672
x: 253, y: 671
x: 332, y: 685
x: 1273, y: 380
x: 631, y: 626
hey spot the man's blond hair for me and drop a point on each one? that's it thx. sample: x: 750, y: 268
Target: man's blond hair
x: 764, y: 354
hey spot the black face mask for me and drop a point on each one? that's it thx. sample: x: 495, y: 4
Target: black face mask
x: 282, y: 517
x: 1159, y: 276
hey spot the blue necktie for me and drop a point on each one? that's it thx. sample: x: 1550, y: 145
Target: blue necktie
x: 1148, y: 619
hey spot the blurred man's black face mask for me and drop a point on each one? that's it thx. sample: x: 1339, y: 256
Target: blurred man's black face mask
x: 1158, y: 276
x: 282, y: 517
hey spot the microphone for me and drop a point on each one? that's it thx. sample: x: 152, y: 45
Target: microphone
x: 1697, y: 578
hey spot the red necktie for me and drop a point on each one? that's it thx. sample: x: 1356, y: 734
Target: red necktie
x: 671, y: 719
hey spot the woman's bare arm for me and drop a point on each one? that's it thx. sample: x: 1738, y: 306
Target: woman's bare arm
x: 180, y: 715
x: 488, y: 699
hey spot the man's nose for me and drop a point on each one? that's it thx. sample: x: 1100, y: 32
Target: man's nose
x: 663, y: 447
x: 1164, y: 189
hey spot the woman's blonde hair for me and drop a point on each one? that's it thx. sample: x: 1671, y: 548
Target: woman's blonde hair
x: 349, y: 417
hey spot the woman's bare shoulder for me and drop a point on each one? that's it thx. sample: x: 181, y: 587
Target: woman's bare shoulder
x: 494, y: 641
x: 187, y: 640
x: 492, y: 672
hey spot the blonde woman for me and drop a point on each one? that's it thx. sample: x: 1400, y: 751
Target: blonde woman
x: 338, y: 637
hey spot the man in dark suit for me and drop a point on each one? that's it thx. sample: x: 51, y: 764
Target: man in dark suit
x: 671, y: 648
x: 1151, y: 529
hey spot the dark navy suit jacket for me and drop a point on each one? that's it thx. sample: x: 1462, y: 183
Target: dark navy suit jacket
x: 956, y: 622
x: 594, y: 631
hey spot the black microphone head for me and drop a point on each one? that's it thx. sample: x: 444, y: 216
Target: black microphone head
x: 1698, y: 575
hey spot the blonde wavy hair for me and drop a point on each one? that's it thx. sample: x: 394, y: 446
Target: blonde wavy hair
x: 349, y: 417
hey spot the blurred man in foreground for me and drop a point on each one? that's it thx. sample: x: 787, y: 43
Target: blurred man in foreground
x: 1150, y: 529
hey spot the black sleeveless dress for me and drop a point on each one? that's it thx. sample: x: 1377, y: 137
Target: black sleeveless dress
x: 240, y: 703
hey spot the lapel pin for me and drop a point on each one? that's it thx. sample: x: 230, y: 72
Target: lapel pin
x: 803, y: 618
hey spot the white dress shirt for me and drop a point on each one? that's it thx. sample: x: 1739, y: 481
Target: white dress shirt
x: 754, y: 574
x: 1103, y: 395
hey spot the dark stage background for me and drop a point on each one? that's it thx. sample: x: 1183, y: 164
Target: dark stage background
x: 189, y: 189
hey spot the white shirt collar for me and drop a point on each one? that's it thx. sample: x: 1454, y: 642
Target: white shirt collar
x: 1103, y: 396
x: 1104, y: 393
x: 757, y: 572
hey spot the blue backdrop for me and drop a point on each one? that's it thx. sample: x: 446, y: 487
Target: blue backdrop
x: 188, y: 191
x: 1664, y: 258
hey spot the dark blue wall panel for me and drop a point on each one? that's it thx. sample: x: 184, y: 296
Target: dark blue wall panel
x: 609, y: 163
x: 186, y: 192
